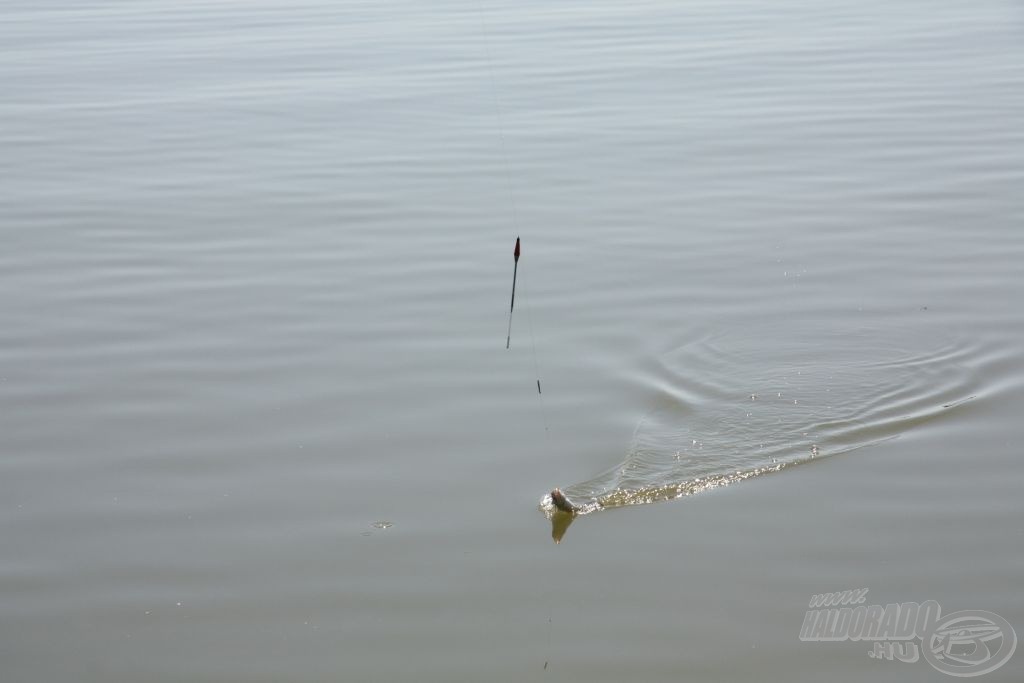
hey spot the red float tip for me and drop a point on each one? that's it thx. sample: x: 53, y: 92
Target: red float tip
x: 516, y: 252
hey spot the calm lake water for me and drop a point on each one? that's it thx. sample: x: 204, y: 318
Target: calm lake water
x: 257, y: 418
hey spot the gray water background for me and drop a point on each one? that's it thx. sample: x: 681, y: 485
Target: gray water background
x: 256, y: 264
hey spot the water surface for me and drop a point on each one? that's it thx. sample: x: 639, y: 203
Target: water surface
x: 256, y: 269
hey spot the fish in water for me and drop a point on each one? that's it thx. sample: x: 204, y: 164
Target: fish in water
x: 560, y: 501
x: 561, y: 511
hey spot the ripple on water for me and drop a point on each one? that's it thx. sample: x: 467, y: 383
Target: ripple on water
x: 737, y: 405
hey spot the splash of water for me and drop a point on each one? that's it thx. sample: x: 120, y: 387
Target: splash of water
x: 738, y: 406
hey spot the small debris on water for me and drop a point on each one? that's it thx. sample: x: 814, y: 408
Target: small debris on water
x: 382, y: 525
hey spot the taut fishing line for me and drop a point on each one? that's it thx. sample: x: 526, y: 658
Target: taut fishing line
x: 510, y: 189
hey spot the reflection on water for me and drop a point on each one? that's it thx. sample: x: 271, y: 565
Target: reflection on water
x: 560, y: 519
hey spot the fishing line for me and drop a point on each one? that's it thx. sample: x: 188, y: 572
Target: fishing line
x: 510, y: 189
x: 536, y: 363
x: 514, y: 204
x: 499, y: 114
